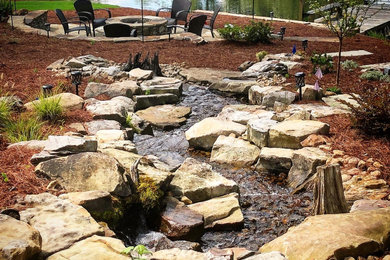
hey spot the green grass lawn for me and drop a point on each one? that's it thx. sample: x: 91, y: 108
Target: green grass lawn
x: 52, y: 5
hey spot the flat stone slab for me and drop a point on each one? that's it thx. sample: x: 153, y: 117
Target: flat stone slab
x: 207, y: 75
x: 316, y: 110
x: 333, y: 101
x: 380, y: 66
x: 240, y: 87
x: 94, y: 126
x: 165, y: 116
x: 275, y: 160
x: 69, y: 145
x: 126, y: 88
x: 114, y: 109
x: 258, y: 131
x: 162, y: 85
x: 145, y: 101
x: 242, y: 114
x: 349, y: 53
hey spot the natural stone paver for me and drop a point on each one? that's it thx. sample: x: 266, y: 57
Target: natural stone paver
x: 198, y: 182
x: 165, y: 116
x: 95, y: 247
x: 234, y: 151
x: 240, y: 87
x: 126, y: 88
x: 59, y: 222
x: 140, y: 74
x: 317, y: 110
x: 275, y: 160
x: 290, y: 134
x: 18, y: 240
x: 340, y: 235
x: 258, y: 131
x: 241, y: 113
x: 114, y: 109
x: 87, y: 171
x: 207, y: 75
x: 94, y: 126
x: 304, y: 164
x: 145, y: 101
x: 163, y: 85
x: 68, y: 101
x: 204, y: 133
x: 221, y: 213
x: 108, y: 136
x: 349, y: 53
x: 333, y: 101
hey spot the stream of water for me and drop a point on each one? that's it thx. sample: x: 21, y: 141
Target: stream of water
x: 267, y: 205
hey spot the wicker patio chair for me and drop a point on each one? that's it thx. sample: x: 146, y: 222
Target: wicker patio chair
x: 65, y: 23
x: 179, y: 12
x: 211, y: 19
x: 86, y: 13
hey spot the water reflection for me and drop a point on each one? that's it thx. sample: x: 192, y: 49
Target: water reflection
x: 289, y: 9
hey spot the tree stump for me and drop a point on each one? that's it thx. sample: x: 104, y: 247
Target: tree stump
x: 328, y: 191
x: 147, y: 64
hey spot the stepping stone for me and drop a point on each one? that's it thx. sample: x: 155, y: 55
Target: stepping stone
x: 198, y: 182
x: 145, y: 101
x: 207, y: 75
x: 126, y: 88
x: 109, y: 136
x: 333, y: 101
x: 95, y: 247
x: 290, y: 134
x: 204, y: 133
x: 60, y: 222
x: 334, y: 235
x: 86, y: 172
x: 140, y: 74
x: 163, y: 85
x: 165, y: 116
x: 18, y: 240
x: 256, y: 93
x: 258, y: 131
x: 220, y: 213
x: 275, y: 160
x: 114, y: 109
x: 349, y: 53
x: 241, y: 113
x: 94, y: 126
x: 235, y: 86
x: 316, y: 110
x: 234, y: 151
x: 68, y: 101
x: 64, y: 145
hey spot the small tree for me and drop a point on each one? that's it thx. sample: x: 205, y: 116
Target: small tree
x: 345, y: 22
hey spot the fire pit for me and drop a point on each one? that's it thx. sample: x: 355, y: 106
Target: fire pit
x: 153, y: 25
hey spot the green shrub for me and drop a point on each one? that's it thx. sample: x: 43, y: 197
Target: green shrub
x: 149, y: 193
x: 252, y: 33
x: 5, y: 8
x: 377, y: 35
x: 23, y: 129
x: 349, y: 65
x: 374, y: 111
x: 48, y: 108
x: 136, y: 252
x: 5, y: 112
x: 374, y: 75
x: 334, y: 90
x: 260, y: 55
x: 322, y: 61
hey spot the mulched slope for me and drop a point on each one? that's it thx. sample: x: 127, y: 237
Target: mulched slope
x: 24, y: 57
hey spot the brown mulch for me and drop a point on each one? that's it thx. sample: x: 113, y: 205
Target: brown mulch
x: 24, y: 58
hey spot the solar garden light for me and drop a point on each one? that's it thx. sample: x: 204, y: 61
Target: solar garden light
x: 304, y: 44
x: 282, y: 32
x: 47, y: 90
x: 47, y: 28
x: 386, y: 71
x: 271, y: 14
x: 76, y: 79
x: 300, y: 82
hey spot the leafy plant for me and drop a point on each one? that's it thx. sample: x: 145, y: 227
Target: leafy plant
x: 252, y: 33
x: 147, y: 92
x: 149, y: 193
x: 136, y: 252
x: 349, y: 65
x: 373, y: 109
x: 23, y: 129
x: 322, y: 61
x: 4, y: 176
x: 373, y: 75
x: 5, y: 8
x: 377, y: 35
x: 5, y: 112
x: 260, y: 55
x: 48, y: 108
x: 334, y: 89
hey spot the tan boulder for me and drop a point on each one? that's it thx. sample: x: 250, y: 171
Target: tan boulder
x: 68, y: 101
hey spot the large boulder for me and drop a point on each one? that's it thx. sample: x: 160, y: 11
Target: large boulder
x: 156, y: 241
x: 96, y: 125
x: 165, y: 116
x: 234, y: 151
x: 275, y: 160
x: 59, y: 222
x: 290, y: 134
x: 95, y: 247
x: 256, y: 93
x: 145, y: 101
x: 69, y: 144
x: 140, y: 74
x: 240, y: 87
x: 284, y: 97
x: 18, y: 240
x: 304, y: 164
x: 68, y: 101
x: 241, y: 113
x: 87, y: 171
x: 180, y: 222
x: 321, y: 237
x: 114, y: 109
x: 109, y: 136
x: 220, y: 213
x: 261, y: 67
x: 204, y: 133
x: 126, y: 88
x: 198, y: 182
x: 258, y: 131
x: 163, y: 85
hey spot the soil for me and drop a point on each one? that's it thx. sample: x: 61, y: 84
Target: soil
x: 25, y: 56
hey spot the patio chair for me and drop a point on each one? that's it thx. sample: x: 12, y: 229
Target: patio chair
x: 179, y: 12
x: 211, y: 19
x: 119, y: 30
x: 195, y: 25
x: 65, y: 23
x: 86, y: 13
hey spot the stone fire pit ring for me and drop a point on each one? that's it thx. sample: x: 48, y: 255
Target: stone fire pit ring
x: 153, y: 25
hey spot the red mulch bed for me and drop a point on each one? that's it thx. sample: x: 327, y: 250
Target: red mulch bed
x: 24, y: 58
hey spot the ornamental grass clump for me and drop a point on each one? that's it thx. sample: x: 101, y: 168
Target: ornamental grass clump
x: 48, y: 108
x: 23, y: 129
x: 5, y: 113
x: 375, y: 75
x: 252, y: 33
x: 349, y: 65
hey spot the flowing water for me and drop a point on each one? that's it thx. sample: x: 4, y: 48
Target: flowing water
x: 268, y: 207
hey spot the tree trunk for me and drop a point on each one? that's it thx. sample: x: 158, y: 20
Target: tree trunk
x: 328, y: 191
x: 339, y: 62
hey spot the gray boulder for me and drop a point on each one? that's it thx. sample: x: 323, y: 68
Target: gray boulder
x: 241, y: 113
x: 256, y: 93
x: 94, y: 126
x: 163, y: 85
x: 165, y: 116
x: 114, y: 109
x: 239, y: 87
x: 258, y: 129
x: 275, y: 160
x: 145, y: 101
x: 124, y: 88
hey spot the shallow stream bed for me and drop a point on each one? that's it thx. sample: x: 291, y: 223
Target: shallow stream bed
x: 267, y: 205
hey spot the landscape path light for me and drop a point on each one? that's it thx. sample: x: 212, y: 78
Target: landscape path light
x: 271, y: 14
x: 300, y: 82
x: 47, y: 28
x: 304, y: 44
x: 282, y: 32
x: 47, y: 90
x: 76, y: 79
x: 386, y: 71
